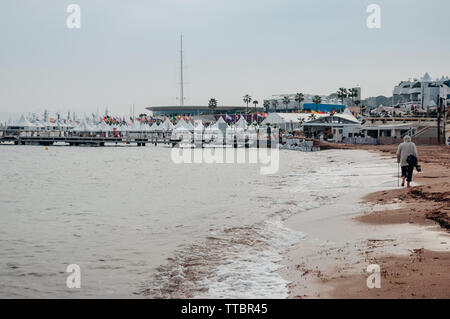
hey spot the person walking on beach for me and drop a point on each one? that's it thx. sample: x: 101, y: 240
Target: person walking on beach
x: 405, y: 153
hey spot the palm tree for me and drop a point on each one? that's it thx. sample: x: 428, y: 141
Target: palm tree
x: 299, y: 98
x: 317, y: 100
x: 212, y: 104
x: 255, y: 102
x: 266, y: 105
x: 342, y: 94
x: 275, y: 104
x: 247, y: 99
x: 286, y: 101
x: 352, y: 93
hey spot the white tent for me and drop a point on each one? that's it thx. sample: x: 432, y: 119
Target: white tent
x: 198, y: 126
x: 181, y: 124
x: 221, y: 120
x: 347, y: 115
x: 136, y: 127
x: 65, y: 125
x: 189, y: 126
x: 23, y: 122
x: 166, y: 126
x: 83, y: 127
x: 104, y: 127
x: 241, y: 124
x: 182, y: 131
x: 146, y: 127
x: 115, y: 127
x: 120, y: 128
x: 154, y: 127
x: 39, y: 125
x: 215, y: 126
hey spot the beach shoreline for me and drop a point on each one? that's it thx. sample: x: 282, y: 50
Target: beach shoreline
x: 404, y: 231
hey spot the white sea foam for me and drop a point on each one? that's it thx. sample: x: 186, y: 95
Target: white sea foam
x: 250, y: 272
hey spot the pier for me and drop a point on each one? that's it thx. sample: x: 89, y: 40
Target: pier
x: 56, y: 137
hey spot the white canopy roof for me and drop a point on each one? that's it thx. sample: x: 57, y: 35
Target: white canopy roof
x: 189, y: 126
x: 166, y: 126
x: 215, y: 126
x: 23, y: 122
x: 198, y: 125
x: 347, y: 115
x: 136, y: 127
x: 103, y: 127
x: 242, y: 123
x: 154, y: 127
x: 83, y: 127
x: 181, y: 123
x: 39, y: 124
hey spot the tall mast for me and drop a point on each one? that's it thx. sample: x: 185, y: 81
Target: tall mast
x: 181, y: 72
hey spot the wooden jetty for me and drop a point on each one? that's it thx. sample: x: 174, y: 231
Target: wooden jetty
x: 83, y: 139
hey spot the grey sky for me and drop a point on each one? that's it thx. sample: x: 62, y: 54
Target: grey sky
x: 127, y: 51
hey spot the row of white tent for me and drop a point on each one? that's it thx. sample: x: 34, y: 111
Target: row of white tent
x: 166, y: 126
x: 276, y: 119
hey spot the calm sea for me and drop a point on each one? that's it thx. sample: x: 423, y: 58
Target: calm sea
x: 139, y: 225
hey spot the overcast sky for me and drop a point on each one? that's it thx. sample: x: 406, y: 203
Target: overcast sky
x: 128, y: 51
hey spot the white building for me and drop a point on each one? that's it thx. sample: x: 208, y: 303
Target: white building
x: 422, y: 94
x: 334, y: 127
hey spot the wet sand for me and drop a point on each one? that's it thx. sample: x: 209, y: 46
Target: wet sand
x: 405, y: 231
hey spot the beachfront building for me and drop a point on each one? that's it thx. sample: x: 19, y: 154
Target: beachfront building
x: 197, y: 110
x: 421, y: 95
x: 289, y: 121
x: 275, y: 104
x: 384, y: 132
x: 395, y: 130
x: 334, y: 127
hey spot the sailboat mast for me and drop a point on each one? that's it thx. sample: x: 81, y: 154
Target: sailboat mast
x: 181, y: 73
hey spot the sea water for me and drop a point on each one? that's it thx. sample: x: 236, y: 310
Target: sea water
x: 139, y: 225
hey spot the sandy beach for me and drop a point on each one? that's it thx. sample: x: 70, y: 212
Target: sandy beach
x: 404, y: 231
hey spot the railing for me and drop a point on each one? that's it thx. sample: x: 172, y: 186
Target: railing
x: 360, y: 140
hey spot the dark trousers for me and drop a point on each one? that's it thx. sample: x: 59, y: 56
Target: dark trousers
x: 407, y: 172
